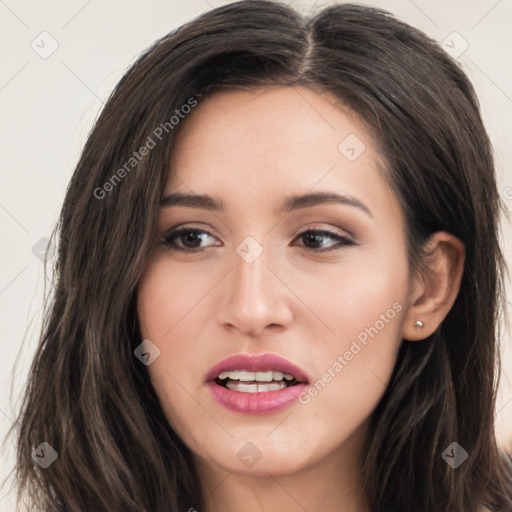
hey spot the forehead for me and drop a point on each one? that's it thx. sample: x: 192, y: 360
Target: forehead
x: 273, y: 141
x: 270, y: 120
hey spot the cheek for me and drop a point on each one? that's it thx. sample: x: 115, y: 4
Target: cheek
x: 364, y: 306
x: 367, y: 290
x: 163, y: 297
x: 171, y: 309
x: 172, y: 305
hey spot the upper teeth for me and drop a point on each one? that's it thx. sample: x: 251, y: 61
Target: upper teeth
x: 255, y: 376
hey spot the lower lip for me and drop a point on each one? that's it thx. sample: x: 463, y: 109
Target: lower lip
x: 255, y: 403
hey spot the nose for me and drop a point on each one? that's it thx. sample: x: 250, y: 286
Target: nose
x: 257, y: 301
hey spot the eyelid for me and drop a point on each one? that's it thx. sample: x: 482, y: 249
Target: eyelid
x: 344, y: 233
x: 189, y: 226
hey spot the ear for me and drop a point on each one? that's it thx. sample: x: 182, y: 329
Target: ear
x: 434, y: 289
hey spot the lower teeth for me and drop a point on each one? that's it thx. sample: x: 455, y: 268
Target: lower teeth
x: 256, y: 387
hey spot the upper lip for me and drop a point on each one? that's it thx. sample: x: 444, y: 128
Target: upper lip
x: 257, y: 363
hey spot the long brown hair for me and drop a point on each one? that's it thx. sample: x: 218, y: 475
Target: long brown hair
x: 88, y: 396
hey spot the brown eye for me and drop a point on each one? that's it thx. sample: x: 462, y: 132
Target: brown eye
x: 313, y: 240
x: 185, y: 239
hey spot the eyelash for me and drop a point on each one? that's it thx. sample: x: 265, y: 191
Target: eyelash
x: 170, y: 236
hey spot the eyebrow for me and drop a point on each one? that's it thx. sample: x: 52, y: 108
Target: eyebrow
x: 290, y: 203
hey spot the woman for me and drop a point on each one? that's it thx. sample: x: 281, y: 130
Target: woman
x: 278, y: 281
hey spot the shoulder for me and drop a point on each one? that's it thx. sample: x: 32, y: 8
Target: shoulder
x: 484, y: 509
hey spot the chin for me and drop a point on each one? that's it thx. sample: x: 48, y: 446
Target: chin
x: 257, y: 456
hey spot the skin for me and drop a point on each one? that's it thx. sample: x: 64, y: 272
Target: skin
x: 252, y: 149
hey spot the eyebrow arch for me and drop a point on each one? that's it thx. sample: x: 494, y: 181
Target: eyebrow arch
x: 319, y: 198
x: 290, y: 203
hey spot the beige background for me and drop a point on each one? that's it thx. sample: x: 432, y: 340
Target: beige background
x: 48, y: 106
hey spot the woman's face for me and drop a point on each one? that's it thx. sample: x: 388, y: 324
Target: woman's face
x: 322, y: 284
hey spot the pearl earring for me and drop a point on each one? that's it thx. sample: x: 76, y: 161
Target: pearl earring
x: 418, y: 324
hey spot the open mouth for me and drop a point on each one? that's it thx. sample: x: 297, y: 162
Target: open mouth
x: 245, y: 381
x: 256, y: 383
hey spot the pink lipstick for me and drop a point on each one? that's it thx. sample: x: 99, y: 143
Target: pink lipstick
x: 256, y: 384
